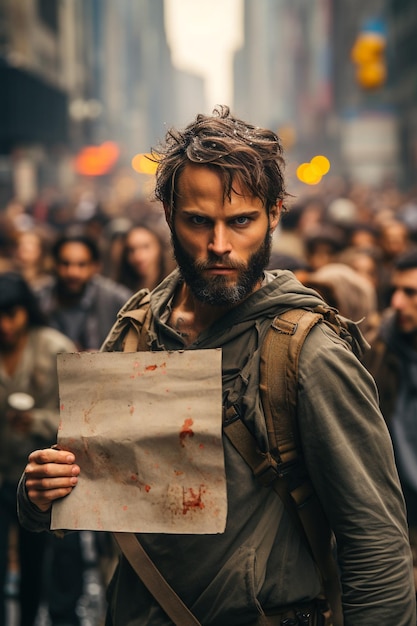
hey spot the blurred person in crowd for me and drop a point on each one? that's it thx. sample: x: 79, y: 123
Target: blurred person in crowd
x: 302, y: 216
x: 394, y: 239
x: 82, y: 304
x: 364, y: 260
x: 33, y: 256
x: 364, y: 236
x: 8, y: 235
x: 29, y: 416
x: 297, y: 266
x: 393, y: 362
x: 77, y: 300
x: 142, y: 262
x: 113, y: 245
x: 17, y: 213
x: 322, y: 244
x: 350, y: 293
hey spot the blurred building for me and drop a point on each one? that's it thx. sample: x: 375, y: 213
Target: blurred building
x: 402, y: 67
x: 296, y: 73
x: 282, y: 73
x: 34, y: 91
x: 77, y: 73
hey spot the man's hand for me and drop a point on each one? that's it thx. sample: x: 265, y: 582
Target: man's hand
x: 50, y: 474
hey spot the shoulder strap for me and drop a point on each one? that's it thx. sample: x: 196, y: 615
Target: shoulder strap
x: 153, y: 580
x: 282, y: 467
x: 279, y: 378
x: 136, y: 340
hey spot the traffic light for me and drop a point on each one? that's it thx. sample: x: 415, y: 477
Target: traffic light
x: 368, y: 54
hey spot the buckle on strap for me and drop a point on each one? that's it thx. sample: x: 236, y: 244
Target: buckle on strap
x: 267, y: 470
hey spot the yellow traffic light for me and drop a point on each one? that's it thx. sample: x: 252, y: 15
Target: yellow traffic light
x: 368, y: 56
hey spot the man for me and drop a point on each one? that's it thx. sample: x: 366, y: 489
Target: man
x: 29, y: 418
x: 82, y: 304
x: 220, y: 181
x: 393, y: 362
x: 78, y: 301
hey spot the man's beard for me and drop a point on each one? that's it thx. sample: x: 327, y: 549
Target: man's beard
x: 216, y: 290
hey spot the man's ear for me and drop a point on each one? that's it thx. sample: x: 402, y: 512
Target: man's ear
x: 274, y: 215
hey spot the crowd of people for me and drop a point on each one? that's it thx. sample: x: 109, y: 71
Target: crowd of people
x: 63, y: 278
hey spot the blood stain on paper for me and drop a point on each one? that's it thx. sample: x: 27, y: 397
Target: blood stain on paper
x: 192, y: 500
x: 147, y: 488
x: 186, y: 430
x: 150, y: 368
x: 132, y: 410
x: 124, y: 507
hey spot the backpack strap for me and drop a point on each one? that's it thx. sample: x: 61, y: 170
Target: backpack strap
x: 282, y: 466
x: 279, y: 379
x: 135, y: 340
x: 153, y: 580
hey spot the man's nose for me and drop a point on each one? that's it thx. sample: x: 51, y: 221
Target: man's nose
x: 220, y: 242
x: 398, y: 299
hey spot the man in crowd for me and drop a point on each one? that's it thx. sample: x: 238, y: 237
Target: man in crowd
x: 78, y: 301
x: 221, y: 183
x: 82, y: 304
x: 393, y: 362
x: 29, y: 418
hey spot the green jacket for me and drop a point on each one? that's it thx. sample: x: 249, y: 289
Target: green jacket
x: 260, y: 563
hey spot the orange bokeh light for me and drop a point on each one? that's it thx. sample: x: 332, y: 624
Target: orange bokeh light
x: 97, y: 160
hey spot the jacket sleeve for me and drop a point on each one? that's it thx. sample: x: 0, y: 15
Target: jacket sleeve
x: 349, y: 456
x: 30, y: 517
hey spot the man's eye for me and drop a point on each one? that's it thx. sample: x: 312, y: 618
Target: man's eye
x: 242, y: 220
x: 198, y: 220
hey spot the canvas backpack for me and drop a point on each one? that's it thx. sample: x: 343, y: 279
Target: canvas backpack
x: 282, y: 467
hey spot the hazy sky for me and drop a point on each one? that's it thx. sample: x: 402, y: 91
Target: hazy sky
x: 202, y: 35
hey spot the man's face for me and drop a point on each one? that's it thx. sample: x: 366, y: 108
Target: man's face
x: 221, y: 246
x: 404, y: 299
x: 13, y: 325
x: 74, y: 268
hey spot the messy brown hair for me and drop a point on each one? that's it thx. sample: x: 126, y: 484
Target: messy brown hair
x: 238, y: 150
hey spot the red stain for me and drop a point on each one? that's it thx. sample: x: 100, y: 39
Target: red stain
x: 147, y: 488
x: 62, y: 407
x: 132, y: 410
x: 124, y: 508
x: 192, y: 500
x: 150, y: 368
x: 201, y: 445
x: 134, y: 477
x: 186, y: 430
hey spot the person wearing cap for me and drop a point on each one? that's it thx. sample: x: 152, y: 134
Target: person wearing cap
x: 29, y: 416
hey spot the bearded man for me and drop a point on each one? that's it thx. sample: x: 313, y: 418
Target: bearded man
x: 221, y: 184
